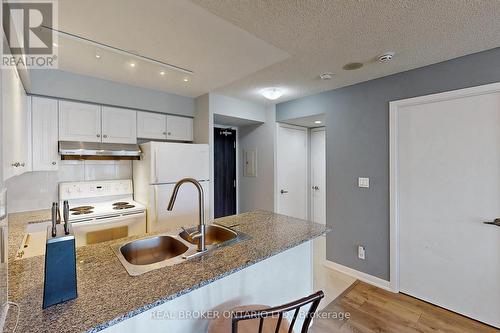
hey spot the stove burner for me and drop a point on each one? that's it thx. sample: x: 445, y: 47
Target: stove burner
x: 81, y: 212
x: 120, y: 203
x: 123, y: 207
x: 81, y: 208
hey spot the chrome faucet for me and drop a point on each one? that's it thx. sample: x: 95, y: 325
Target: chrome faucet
x: 200, y: 234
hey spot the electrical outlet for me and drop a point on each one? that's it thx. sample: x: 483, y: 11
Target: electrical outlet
x: 361, y: 252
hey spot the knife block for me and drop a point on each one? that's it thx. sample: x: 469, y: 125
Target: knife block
x: 60, y: 267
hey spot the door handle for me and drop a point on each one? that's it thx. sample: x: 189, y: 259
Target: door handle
x: 283, y: 191
x: 494, y: 222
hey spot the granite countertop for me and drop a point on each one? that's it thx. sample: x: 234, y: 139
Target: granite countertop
x: 107, y: 294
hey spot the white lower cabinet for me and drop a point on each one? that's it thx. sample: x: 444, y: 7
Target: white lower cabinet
x: 118, y: 125
x: 151, y: 125
x: 179, y: 128
x: 45, y: 134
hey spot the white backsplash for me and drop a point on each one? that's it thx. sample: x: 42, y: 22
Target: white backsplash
x: 37, y: 190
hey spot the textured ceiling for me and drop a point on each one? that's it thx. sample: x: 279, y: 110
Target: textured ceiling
x: 323, y: 35
x: 172, y: 31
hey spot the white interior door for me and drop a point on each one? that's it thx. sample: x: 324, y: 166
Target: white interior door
x: 449, y: 183
x: 318, y: 176
x: 292, y: 171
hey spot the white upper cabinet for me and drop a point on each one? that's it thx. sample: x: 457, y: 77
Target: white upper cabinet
x: 151, y: 125
x: 118, y: 125
x: 15, y: 125
x: 45, y: 134
x: 79, y: 122
x: 179, y: 128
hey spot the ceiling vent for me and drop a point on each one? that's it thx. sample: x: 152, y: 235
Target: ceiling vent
x: 352, y: 66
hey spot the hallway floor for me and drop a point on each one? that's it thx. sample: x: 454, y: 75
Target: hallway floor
x: 372, y: 309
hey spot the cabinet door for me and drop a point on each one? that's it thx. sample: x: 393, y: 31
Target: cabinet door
x: 79, y: 122
x: 8, y: 122
x: 15, y: 139
x: 45, y: 136
x: 151, y: 125
x: 179, y: 128
x: 118, y: 125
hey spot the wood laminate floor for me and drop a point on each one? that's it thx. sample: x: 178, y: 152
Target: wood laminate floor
x: 372, y: 309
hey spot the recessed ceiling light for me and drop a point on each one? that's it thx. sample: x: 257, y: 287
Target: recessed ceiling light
x: 97, y: 56
x: 326, y: 76
x: 162, y: 73
x: 317, y: 122
x: 132, y: 64
x: 185, y: 79
x: 386, y: 57
x: 272, y: 93
x: 55, y: 44
x: 352, y: 66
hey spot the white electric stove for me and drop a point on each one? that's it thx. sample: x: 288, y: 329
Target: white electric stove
x: 102, y: 210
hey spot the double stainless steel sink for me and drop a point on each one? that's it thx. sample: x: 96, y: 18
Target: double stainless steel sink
x: 150, y: 253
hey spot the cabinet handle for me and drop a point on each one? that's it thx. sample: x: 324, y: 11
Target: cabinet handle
x: 54, y: 163
x: 169, y: 133
x: 104, y: 136
x: 164, y: 133
x: 98, y: 135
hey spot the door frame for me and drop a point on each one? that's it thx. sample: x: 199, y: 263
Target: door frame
x: 234, y: 128
x: 308, y: 165
x: 394, y: 107
x: 311, y: 192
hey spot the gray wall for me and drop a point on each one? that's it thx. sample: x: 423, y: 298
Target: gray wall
x: 258, y: 192
x: 68, y: 85
x: 358, y: 146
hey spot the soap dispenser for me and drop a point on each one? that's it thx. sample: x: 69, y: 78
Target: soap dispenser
x: 60, y: 260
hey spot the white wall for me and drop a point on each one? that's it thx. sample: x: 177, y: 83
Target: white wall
x: 57, y: 83
x: 237, y: 108
x: 258, y: 192
x: 37, y: 190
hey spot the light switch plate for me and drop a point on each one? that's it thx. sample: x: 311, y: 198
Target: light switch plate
x: 363, y: 182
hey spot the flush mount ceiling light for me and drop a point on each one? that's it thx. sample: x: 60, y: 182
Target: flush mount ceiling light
x: 185, y: 79
x: 317, y: 122
x: 385, y: 57
x: 326, y: 76
x: 132, y: 64
x: 162, y: 73
x: 272, y: 93
x: 352, y: 66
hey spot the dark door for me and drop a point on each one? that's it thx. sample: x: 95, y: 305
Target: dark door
x: 224, y: 171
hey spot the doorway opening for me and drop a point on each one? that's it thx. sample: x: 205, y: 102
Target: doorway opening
x: 224, y: 172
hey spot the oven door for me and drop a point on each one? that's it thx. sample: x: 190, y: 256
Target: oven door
x: 109, y: 228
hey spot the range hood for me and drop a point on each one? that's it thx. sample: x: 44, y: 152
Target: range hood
x: 77, y: 150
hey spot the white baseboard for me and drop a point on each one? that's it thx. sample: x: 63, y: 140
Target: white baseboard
x: 370, y: 279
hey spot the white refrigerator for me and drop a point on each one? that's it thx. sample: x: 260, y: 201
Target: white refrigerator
x: 162, y: 164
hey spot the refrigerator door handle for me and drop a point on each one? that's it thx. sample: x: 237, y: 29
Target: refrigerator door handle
x: 155, y: 166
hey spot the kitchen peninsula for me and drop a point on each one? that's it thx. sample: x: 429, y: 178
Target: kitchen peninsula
x: 271, y: 266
